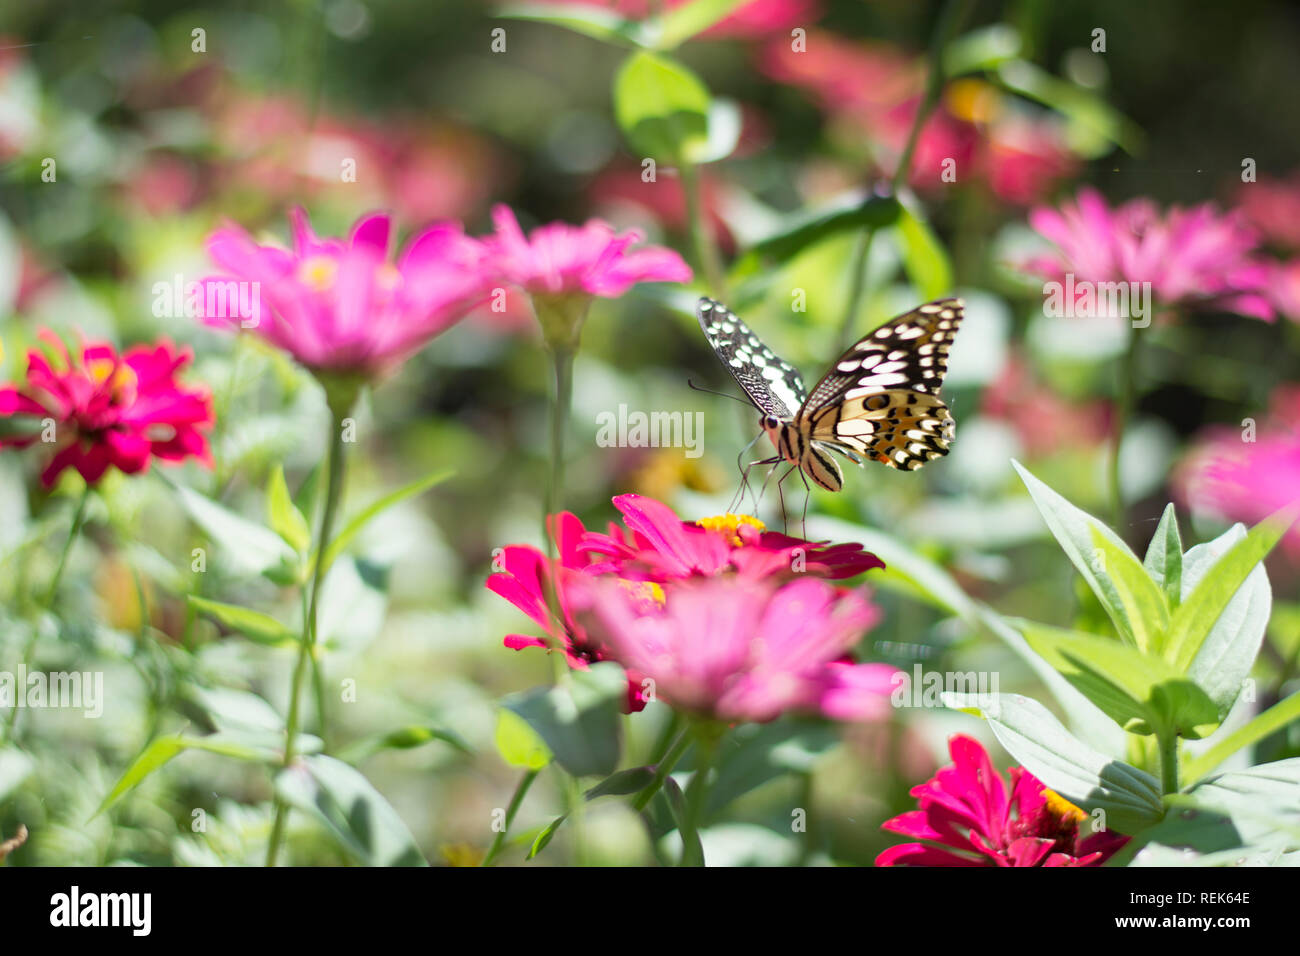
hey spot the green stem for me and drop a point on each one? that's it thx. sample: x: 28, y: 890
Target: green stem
x: 47, y: 602
x: 1123, y: 411
x: 521, y: 790
x: 953, y: 15
x: 1169, y: 762
x: 662, y: 770
x: 706, y: 253
x: 307, y: 643
x: 562, y: 360
x: 696, y: 796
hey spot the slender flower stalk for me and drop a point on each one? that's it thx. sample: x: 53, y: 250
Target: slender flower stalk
x: 51, y: 592
x: 307, y: 642
x: 516, y: 800
x: 708, y: 736
x: 706, y: 251
x: 662, y: 769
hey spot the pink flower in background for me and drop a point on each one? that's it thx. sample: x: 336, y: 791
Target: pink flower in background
x: 738, y: 649
x: 659, y: 546
x: 1247, y: 480
x: 1045, y: 420
x: 1195, y: 256
x: 1272, y: 206
x: 966, y: 819
x: 1284, y: 287
x: 341, y: 306
x: 754, y: 19
x: 109, y: 410
x: 562, y: 260
x: 1024, y: 159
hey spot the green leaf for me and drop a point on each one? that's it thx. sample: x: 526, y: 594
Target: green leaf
x: 1091, y: 780
x: 405, y: 738
x: 257, y: 627
x: 924, y: 257
x: 1261, y: 801
x: 1141, y: 600
x: 544, y: 837
x: 679, y: 24
x: 580, y: 720
x: 1140, y: 692
x: 351, y: 810
x: 623, y: 783
x: 662, y: 108
x: 1209, y: 638
x: 284, y: 517
x: 1164, y: 560
x: 1101, y: 558
x: 359, y: 521
x: 15, y: 767
x: 755, y: 754
x: 249, y: 547
x: 353, y: 605
x: 1093, y: 123
x: 1270, y: 721
x: 982, y: 49
x: 243, y: 745
x: 518, y: 744
x: 596, y: 22
x: 805, y: 229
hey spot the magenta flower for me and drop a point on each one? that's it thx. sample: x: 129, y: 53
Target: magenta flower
x: 1247, y: 476
x: 737, y: 649
x: 562, y: 267
x: 107, y: 410
x: 656, y: 545
x: 966, y: 819
x: 1195, y: 256
x: 340, y: 307
x: 1272, y: 206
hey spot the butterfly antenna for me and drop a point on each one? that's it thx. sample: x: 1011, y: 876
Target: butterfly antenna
x: 701, y: 388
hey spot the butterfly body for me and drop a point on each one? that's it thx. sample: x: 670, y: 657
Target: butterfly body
x: 879, y: 401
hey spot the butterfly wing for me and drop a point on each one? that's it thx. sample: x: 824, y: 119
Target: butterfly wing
x: 880, y: 398
x: 772, y: 384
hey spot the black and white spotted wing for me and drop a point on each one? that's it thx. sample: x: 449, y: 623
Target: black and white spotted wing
x: 880, y: 398
x: 772, y: 384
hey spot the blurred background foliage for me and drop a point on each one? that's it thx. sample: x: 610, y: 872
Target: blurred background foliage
x: 156, y: 144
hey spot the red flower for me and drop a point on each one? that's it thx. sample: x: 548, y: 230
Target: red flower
x: 656, y: 545
x: 108, y: 410
x: 966, y: 819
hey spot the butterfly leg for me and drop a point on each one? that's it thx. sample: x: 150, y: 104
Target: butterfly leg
x: 807, y: 496
x: 744, y: 475
x: 785, y: 521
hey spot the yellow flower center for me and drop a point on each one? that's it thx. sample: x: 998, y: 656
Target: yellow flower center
x: 729, y: 525
x: 317, y: 273
x: 648, y: 593
x: 120, y: 378
x: 1062, y: 807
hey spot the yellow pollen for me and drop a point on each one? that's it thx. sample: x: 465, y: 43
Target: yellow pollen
x: 973, y: 100
x: 1062, y: 807
x: 318, y: 272
x: 121, y: 380
x: 730, y: 524
x: 647, y: 591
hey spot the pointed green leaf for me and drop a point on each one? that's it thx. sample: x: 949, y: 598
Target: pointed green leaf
x: 257, y: 627
x: 596, y: 22
x: 247, y: 545
x: 518, y: 744
x: 1269, y: 722
x: 1085, y: 777
x: 924, y: 258
x: 662, y: 108
x: 1141, y: 601
x: 350, y: 809
x: 1164, y: 559
x: 360, y: 520
x: 681, y: 23
x: 284, y: 517
x: 580, y: 720
x: 543, y: 838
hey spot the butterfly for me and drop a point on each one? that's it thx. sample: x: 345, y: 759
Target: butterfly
x: 878, y: 402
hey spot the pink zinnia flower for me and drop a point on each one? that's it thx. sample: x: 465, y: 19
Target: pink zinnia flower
x: 590, y: 260
x: 1045, y: 420
x: 109, y: 410
x: 737, y: 649
x: 966, y: 819
x: 1248, y: 480
x: 1195, y: 256
x: 340, y: 306
x: 756, y: 18
x: 1272, y: 206
x: 657, y: 545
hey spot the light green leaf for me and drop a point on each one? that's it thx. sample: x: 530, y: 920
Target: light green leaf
x: 257, y: 627
x: 681, y: 23
x: 662, y: 108
x: 596, y: 22
x: 1270, y: 721
x: 518, y: 744
x: 1140, y: 692
x: 807, y: 228
x: 249, y: 547
x: 1211, y: 638
x: 1262, y: 802
x: 623, y: 783
x: 404, y: 738
x: 1093, y: 123
x: 982, y: 49
x: 544, y: 837
x: 1089, y: 779
x: 1142, y: 602
x: 924, y: 258
x: 358, y: 522
x: 284, y: 517
x: 1080, y: 536
x: 351, y: 810
x: 1164, y: 559
x: 579, y: 720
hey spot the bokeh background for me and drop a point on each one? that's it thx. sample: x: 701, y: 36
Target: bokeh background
x: 156, y: 144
